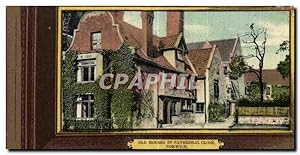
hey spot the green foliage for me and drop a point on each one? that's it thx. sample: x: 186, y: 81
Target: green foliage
x: 216, y: 112
x: 281, y: 94
x: 68, y: 71
x: 122, y: 100
x: 244, y: 102
x: 122, y: 60
x: 71, y: 89
x: 284, y: 67
x: 143, y: 107
x: 284, y: 46
x: 111, y: 106
x: 237, y: 67
x: 121, y: 108
x: 253, y: 91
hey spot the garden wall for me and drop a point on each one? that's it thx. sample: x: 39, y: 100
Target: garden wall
x: 263, y: 115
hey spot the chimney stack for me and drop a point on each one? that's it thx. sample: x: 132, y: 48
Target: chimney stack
x: 147, y: 32
x: 175, y: 22
x: 118, y: 15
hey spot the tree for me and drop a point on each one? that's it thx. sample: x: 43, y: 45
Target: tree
x: 70, y: 20
x: 255, y: 39
x: 284, y: 66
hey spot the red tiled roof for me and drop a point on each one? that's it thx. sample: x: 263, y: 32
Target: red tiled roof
x: 132, y: 36
x: 159, y: 61
x: 272, y: 77
x: 225, y: 47
x: 199, y: 58
x: 167, y: 42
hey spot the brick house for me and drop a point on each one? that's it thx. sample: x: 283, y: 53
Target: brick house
x: 107, y: 30
x: 273, y: 82
x: 228, y: 48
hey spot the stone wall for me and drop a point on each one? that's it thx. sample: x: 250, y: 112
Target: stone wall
x: 216, y: 72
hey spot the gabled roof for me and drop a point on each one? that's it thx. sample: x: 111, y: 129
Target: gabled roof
x: 200, y: 59
x: 133, y: 35
x: 195, y: 45
x: 225, y: 46
x: 272, y: 77
x: 168, y: 42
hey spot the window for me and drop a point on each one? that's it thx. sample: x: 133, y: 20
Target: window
x: 187, y: 105
x: 225, y: 70
x: 85, y: 106
x: 180, y: 54
x: 173, y: 108
x: 86, y: 71
x: 200, y: 107
x: 246, y: 91
x: 96, y: 40
x: 216, y: 88
x: 268, y: 90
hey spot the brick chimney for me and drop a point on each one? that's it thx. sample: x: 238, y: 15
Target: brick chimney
x: 175, y: 22
x: 147, y: 32
x: 118, y: 15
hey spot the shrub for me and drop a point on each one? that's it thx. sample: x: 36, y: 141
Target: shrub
x: 216, y: 112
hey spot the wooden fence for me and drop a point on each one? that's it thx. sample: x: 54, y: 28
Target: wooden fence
x: 263, y: 111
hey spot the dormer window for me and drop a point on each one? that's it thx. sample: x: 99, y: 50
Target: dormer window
x: 180, y: 54
x: 96, y: 40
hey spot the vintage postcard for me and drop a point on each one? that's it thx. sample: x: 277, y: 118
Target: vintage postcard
x: 218, y: 71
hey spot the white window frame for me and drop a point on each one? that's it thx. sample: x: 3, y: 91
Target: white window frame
x: 187, y: 105
x: 91, y: 66
x: 79, y: 107
x: 270, y: 87
x: 96, y: 40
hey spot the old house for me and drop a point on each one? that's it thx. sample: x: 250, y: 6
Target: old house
x: 228, y: 48
x: 275, y: 85
x: 99, y: 30
x: 207, y: 64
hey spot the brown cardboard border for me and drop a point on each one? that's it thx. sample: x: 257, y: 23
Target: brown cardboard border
x: 37, y: 95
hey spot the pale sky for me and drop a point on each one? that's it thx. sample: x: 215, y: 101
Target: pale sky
x: 212, y: 25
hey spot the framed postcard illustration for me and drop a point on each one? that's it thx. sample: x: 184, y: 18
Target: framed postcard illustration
x: 167, y: 78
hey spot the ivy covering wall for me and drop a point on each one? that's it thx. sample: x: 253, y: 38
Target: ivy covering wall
x: 112, y: 108
x: 122, y: 99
